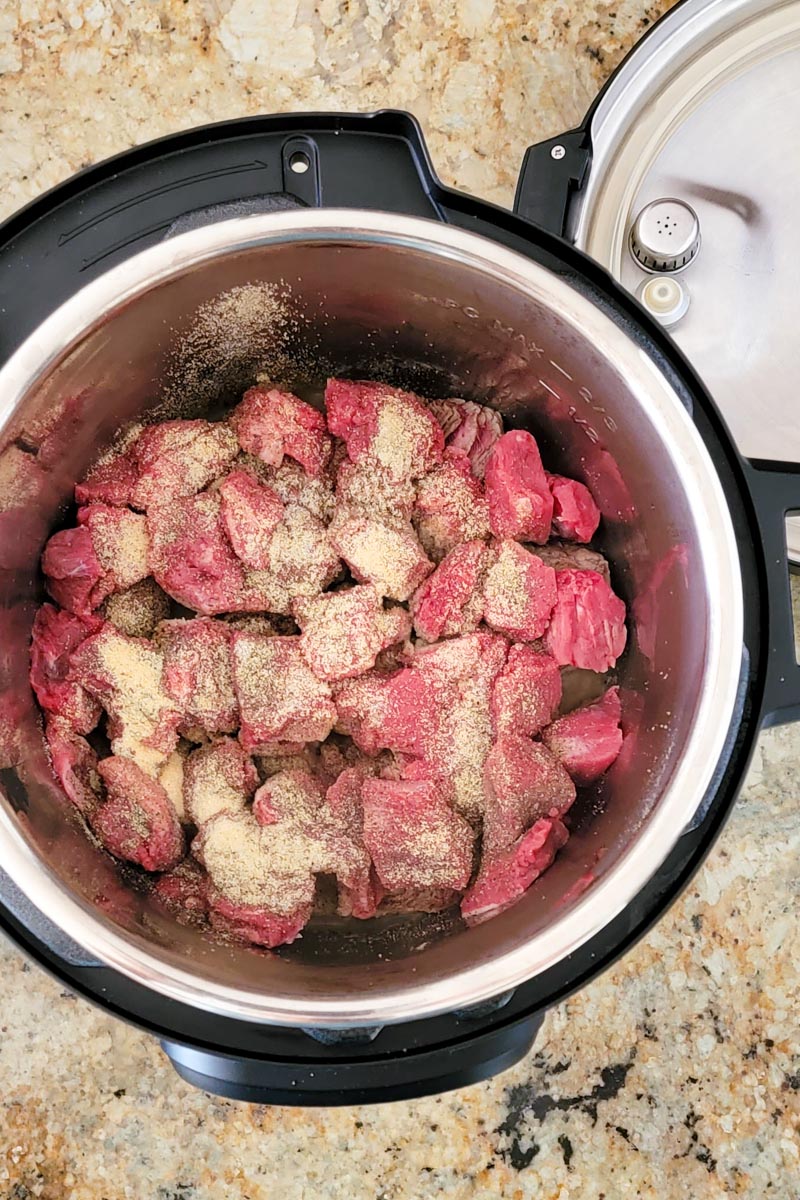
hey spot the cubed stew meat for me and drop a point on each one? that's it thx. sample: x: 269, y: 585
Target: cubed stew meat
x: 328, y: 642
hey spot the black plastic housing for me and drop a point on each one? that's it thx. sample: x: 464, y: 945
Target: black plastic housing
x: 112, y: 210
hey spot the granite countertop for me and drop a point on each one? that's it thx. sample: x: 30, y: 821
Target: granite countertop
x: 677, y: 1074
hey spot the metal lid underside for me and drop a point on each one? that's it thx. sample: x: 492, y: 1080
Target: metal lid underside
x: 707, y: 110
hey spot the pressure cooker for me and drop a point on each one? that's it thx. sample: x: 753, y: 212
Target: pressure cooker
x: 161, y: 282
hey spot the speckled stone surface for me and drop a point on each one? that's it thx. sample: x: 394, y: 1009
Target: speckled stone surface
x: 675, y: 1075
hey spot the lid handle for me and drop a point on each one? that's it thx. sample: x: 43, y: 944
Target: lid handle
x: 552, y: 172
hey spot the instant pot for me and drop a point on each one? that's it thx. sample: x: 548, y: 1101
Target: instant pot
x: 160, y: 282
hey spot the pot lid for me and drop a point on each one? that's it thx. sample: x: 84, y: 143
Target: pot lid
x: 702, y: 123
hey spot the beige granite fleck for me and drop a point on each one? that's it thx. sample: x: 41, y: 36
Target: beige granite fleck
x: 675, y: 1075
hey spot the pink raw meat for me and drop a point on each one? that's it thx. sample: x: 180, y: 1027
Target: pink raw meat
x: 280, y: 698
x: 179, y: 458
x: 262, y: 876
x: 137, y: 821
x: 575, y: 514
x: 520, y: 503
x: 343, y: 632
x: 471, y: 428
x: 198, y: 674
x: 218, y: 777
x: 251, y: 513
x: 184, y: 892
x: 190, y: 555
x: 519, y: 592
x: 588, y: 740
x: 125, y: 675
x: 56, y: 634
x: 387, y: 556
x: 360, y: 891
x: 452, y: 748
x: 295, y: 800
x: 112, y: 482
x: 587, y: 628
x: 71, y: 569
x: 526, y: 693
x: 451, y: 507
x: 250, y: 924
x: 364, y: 489
x: 450, y: 601
x: 398, y: 711
x: 524, y: 782
x: 414, y: 837
x: 506, y: 876
x: 74, y: 764
x: 119, y: 540
x: 270, y: 423
x: 384, y: 425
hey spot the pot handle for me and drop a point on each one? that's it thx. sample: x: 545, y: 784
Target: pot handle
x: 775, y: 490
x: 342, y: 1077
x: 551, y: 173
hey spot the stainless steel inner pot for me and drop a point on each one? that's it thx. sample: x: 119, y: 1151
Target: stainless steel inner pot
x: 183, y: 327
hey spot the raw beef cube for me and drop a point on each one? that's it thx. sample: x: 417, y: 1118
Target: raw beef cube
x: 520, y: 503
x: 271, y: 424
x: 262, y: 876
x: 587, y: 628
x: 414, y: 837
x: 398, y: 712
x: 178, y: 458
x: 119, y: 539
x: 575, y: 514
x: 218, y: 777
x: 74, y: 764
x: 71, y: 569
x: 293, y: 485
x: 171, y: 779
x: 565, y: 556
x: 519, y: 592
x: 296, y: 800
x: 451, y: 507
x: 343, y: 632
x: 198, y: 675
x: 360, y: 891
x: 588, y: 740
x: 137, y: 610
x: 125, y: 675
x: 111, y: 482
x: 190, y: 555
x: 302, y: 557
x: 526, y: 693
x: 280, y: 698
x: 460, y: 674
x: 184, y: 892
x: 506, y: 876
x: 450, y: 601
x: 524, y: 782
x: 471, y: 428
x: 387, y: 556
x: 385, y: 426
x: 257, y: 926
x: 137, y: 821
x: 56, y: 634
x: 364, y: 489
x: 294, y: 796
x: 251, y: 513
